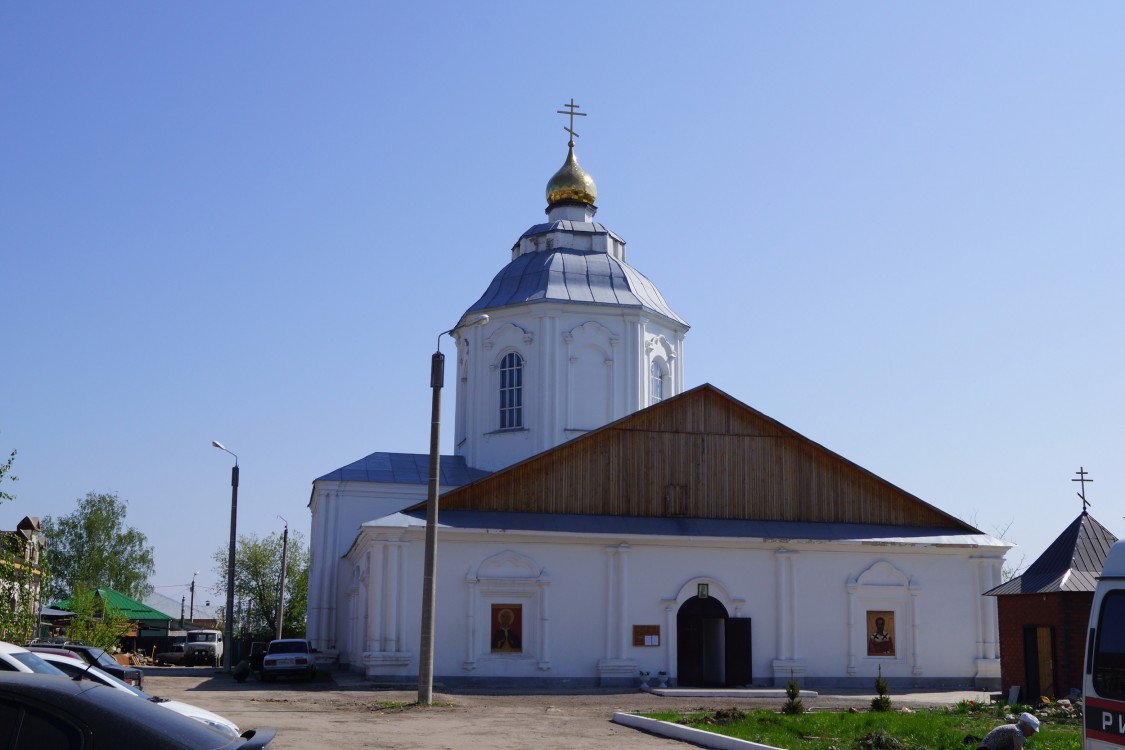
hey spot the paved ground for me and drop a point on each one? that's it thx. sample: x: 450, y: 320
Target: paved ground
x: 345, y: 713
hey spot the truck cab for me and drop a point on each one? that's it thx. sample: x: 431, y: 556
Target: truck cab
x: 203, y: 647
x: 1104, y: 676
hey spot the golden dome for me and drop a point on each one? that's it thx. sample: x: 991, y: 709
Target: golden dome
x: 571, y: 183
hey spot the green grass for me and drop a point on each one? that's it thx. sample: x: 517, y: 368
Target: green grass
x: 931, y: 729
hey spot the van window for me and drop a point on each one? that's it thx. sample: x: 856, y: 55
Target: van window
x: 1109, y: 652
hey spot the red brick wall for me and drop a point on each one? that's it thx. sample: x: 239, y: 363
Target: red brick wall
x: 1067, y: 613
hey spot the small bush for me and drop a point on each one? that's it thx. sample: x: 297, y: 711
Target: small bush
x: 793, y: 703
x: 883, y: 701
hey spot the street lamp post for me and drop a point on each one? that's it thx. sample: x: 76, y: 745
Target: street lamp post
x: 228, y: 649
x: 429, y: 590
x: 281, y: 584
x: 191, y: 614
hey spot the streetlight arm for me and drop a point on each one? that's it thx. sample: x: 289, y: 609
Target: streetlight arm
x: 221, y: 447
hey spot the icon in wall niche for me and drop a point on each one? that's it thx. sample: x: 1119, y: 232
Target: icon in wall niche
x: 880, y: 633
x: 507, y: 628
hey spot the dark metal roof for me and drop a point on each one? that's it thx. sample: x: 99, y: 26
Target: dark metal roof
x: 578, y: 227
x: 405, y: 468
x: 693, y: 527
x: 568, y: 275
x: 1071, y: 563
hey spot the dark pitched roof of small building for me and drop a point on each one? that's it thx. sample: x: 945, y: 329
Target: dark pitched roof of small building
x: 405, y: 468
x: 1071, y: 563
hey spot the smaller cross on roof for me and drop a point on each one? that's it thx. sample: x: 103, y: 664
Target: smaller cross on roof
x: 572, y: 114
x: 1082, y: 478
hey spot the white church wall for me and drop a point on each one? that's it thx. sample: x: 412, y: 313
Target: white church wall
x: 739, y: 576
x: 562, y: 594
x: 594, y: 359
x: 580, y: 598
x: 338, y: 510
x: 935, y: 614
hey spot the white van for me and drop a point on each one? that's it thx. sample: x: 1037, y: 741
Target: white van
x: 204, y: 647
x: 1104, y: 679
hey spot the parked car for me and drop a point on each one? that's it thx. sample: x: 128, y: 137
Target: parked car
x: 174, y: 655
x: 47, y: 711
x: 204, y: 647
x: 79, y: 670
x: 288, y: 657
x: 96, y: 656
x: 15, y: 658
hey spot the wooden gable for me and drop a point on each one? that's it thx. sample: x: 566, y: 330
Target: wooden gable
x: 701, y: 454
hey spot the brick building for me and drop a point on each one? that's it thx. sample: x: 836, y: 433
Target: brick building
x: 1044, y: 612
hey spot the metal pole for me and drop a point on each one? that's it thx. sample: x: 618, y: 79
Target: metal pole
x: 281, y: 586
x: 192, y: 614
x: 429, y: 593
x: 229, y: 648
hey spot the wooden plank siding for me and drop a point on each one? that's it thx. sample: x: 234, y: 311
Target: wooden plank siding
x: 702, y: 454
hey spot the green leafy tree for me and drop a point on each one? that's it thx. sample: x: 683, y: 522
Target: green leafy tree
x: 94, y: 622
x: 257, y: 573
x: 93, y: 548
x: 5, y: 471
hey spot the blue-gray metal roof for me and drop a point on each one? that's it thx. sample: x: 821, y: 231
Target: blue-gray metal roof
x: 789, y: 531
x: 405, y: 468
x: 578, y: 227
x: 568, y: 275
x: 1071, y: 563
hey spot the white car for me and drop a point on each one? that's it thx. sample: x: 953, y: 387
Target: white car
x: 15, y: 658
x: 78, y: 669
x: 289, y: 657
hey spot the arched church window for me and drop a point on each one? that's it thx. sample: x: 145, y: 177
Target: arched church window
x: 656, y: 386
x: 511, y: 391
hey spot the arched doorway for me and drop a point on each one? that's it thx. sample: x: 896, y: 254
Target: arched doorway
x: 711, y: 647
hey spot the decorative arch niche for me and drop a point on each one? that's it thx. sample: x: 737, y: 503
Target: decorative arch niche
x: 516, y: 580
x: 589, y: 375
x: 883, y: 591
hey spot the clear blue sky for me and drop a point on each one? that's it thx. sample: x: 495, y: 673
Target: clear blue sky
x: 896, y: 228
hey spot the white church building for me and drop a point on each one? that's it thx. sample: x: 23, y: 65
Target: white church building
x: 598, y: 521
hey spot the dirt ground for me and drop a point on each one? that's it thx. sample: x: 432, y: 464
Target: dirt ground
x: 343, y: 712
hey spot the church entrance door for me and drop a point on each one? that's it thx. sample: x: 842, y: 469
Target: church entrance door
x: 711, y: 648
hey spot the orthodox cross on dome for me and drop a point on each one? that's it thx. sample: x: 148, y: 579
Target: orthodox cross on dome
x: 1082, y: 478
x: 572, y: 114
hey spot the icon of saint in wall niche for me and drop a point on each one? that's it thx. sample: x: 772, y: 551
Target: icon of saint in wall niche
x: 881, y: 630
x: 507, y: 628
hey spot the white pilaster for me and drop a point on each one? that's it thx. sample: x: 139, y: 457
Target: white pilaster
x: 787, y: 664
x: 544, y: 628
x: 915, y: 625
x: 470, y: 662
